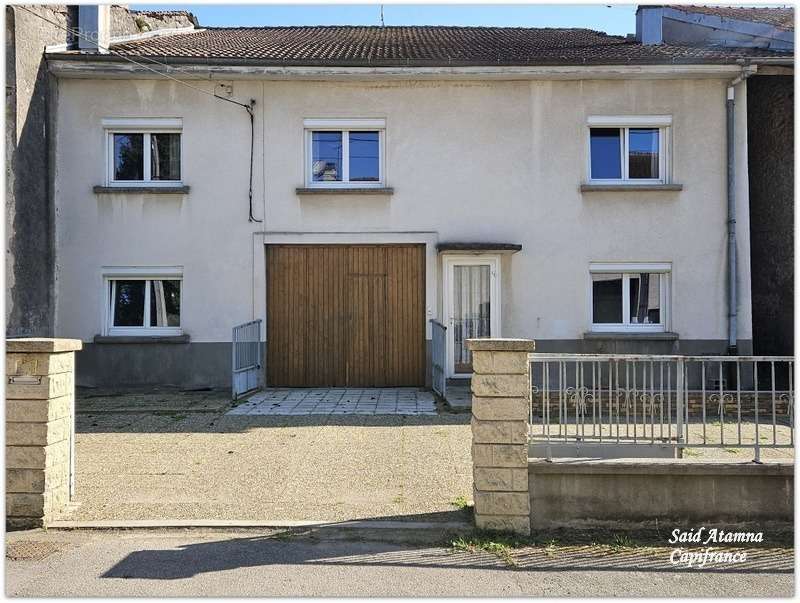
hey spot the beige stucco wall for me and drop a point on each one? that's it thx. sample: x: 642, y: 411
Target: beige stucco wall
x: 469, y: 161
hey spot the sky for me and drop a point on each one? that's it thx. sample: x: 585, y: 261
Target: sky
x: 617, y: 19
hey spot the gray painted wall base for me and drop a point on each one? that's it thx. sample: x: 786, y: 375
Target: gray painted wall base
x: 136, y: 364
x: 208, y: 364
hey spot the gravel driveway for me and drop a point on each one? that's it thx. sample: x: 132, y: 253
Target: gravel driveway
x: 181, y: 464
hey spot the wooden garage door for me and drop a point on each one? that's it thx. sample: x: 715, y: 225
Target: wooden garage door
x: 345, y: 316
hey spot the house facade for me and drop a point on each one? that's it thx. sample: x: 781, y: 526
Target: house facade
x: 559, y: 185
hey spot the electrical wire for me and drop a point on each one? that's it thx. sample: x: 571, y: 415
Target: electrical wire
x: 248, y: 107
x: 250, y: 112
x: 78, y: 33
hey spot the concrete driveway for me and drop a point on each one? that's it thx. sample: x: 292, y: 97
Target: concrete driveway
x: 174, y: 463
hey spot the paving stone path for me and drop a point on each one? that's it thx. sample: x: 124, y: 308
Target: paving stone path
x: 338, y: 401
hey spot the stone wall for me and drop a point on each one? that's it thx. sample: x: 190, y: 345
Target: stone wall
x: 126, y: 22
x: 30, y: 237
x: 500, y: 399
x: 40, y: 405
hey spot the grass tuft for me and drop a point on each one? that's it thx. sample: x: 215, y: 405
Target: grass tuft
x: 461, y: 503
x: 498, y: 544
x: 622, y: 542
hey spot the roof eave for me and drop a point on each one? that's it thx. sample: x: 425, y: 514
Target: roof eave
x: 246, y: 63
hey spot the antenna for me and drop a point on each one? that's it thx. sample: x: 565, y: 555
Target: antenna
x: 382, y: 23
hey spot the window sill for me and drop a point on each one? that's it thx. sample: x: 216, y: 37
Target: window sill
x: 355, y: 190
x: 593, y: 188
x: 142, y: 338
x: 142, y: 190
x: 616, y: 335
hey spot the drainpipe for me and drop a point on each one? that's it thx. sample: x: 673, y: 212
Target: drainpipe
x: 733, y: 314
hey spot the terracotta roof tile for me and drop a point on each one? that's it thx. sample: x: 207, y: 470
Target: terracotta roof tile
x: 419, y: 45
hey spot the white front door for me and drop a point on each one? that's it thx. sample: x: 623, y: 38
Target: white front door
x: 471, y: 305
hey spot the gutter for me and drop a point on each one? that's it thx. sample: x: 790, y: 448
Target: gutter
x: 552, y: 61
x: 733, y: 277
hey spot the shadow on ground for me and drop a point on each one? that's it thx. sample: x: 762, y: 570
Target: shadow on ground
x: 187, y: 561
x: 170, y: 410
x: 188, y: 422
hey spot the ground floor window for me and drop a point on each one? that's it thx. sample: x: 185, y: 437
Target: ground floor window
x: 629, y: 297
x: 141, y: 304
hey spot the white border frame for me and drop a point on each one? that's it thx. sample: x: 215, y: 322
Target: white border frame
x: 131, y: 273
x: 495, y: 300
x: 663, y: 269
x: 345, y: 126
x: 625, y: 123
x: 145, y: 126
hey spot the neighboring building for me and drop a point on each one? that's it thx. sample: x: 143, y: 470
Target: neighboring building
x: 556, y: 184
x: 770, y: 143
x: 30, y: 98
x: 29, y: 202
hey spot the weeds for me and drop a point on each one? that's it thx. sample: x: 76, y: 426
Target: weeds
x: 550, y: 547
x: 499, y: 545
x: 461, y: 503
x: 622, y: 542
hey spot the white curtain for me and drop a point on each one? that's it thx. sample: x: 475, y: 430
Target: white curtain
x: 471, y: 311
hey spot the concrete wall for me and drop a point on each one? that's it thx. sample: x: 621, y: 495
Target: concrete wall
x: 469, y: 161
x: 582, y: 493
x: 770, y: 103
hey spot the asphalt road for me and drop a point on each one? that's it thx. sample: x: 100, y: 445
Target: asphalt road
x: 219, y: 563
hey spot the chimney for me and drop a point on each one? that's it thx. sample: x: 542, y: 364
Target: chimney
x: 94, y: 25
x: 648, y: 24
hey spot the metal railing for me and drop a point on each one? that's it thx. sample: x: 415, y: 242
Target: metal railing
x: 729, y: 402
x: 438, y: 358
x: 246, y: 362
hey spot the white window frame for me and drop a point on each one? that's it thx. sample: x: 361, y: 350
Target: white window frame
x: 155, y: 273
x: 626, y: 123
x: 146, y: 127
x: 628, y: 269
x: 345, y: 126
x: 449, y: 263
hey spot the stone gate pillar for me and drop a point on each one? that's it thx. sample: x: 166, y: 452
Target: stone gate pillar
x: 40, y: 406
x: 500, y: 399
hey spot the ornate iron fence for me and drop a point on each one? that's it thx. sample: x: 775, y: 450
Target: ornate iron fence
x: 731, y: 402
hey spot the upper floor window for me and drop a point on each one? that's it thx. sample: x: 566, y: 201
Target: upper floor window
x: 629, y: 149
x: 344, y: 152
x: 629, y: 297
x: 143, y: 301
x: 143, y: 151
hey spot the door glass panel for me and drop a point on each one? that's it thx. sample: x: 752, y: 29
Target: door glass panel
x: 471, y: 311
